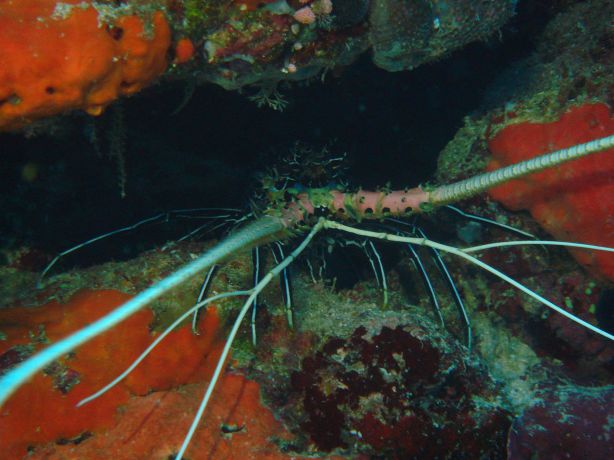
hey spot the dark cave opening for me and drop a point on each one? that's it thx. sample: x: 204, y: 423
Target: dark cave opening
x: 61, y: 188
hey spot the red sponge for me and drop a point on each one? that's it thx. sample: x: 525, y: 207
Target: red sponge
x: 575, y: 201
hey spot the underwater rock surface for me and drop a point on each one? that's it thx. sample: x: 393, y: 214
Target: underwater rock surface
x: 86, y: 54
x: 355, y: 378
x: 406, y: 34
x: 351, y: 381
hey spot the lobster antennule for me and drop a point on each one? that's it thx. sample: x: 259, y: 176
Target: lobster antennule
x: 472, y: 186
x: 279, y: 223
x: 250, y: 235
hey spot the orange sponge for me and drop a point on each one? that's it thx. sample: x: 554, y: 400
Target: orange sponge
x: 44, y: 409
x: 59, y: 56
x: 235, y: 426
x: 574, y: 201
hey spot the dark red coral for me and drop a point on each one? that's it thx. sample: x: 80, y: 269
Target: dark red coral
x: 391, y: 393
x: 565, y: 422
